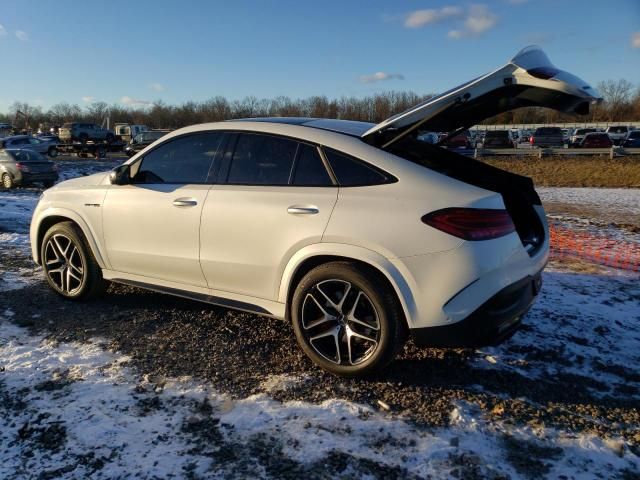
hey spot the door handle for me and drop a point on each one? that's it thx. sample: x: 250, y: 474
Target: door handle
x: 185, y: 202
x: 296, y: 210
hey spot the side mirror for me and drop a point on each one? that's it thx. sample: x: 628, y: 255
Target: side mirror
x: 121, y: 175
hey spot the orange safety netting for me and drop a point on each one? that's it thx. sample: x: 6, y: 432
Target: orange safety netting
x: 594, y: 247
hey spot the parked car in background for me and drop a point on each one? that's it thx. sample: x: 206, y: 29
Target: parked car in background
x: 578, y: 135
x: 27, y: 142
x: 617, y: 133
x: 525, y: 136
x: 596, y: 140
x: 566, y: 133
x: 143, y: 140
x: 460, y: 140
x: 127, y: 131
x: 84, y: 132
x: 498, y: 139
x: 547, y: 137
x: 428, y: 137
x: 632, y: 140
x: 24, y: 167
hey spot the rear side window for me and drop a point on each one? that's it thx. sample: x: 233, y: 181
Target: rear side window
x: 352, y: 173
x: 309, y: 169
x: 262, y: 160
x: 184, y: 160
x: 497, y: 134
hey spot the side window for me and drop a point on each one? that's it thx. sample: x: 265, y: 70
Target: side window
x: 184, y: 160
x: 262, y: 160
x: 351, y: 172
x: 309, y: 169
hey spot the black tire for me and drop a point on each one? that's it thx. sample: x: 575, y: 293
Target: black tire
x: 91, y: 284
x: 378, y: 307
x: 52, y: 152
x: 7, y: 181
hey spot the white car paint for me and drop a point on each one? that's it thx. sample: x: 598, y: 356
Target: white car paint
x: 240, y: 243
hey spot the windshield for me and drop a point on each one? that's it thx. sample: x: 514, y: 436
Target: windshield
x: 148, y: 136
x: 617, y: 129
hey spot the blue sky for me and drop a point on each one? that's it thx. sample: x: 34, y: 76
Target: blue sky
x: 139, y: 51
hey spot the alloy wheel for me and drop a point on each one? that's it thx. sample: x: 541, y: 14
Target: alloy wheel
x: 340, y: 322
x: 63, y: 264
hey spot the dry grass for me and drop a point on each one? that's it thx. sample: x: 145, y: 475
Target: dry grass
x: 574, y: 172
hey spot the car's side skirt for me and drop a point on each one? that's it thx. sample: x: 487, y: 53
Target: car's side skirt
x: 228, y: 300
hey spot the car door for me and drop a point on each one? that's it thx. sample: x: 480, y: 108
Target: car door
x: 151, y: 226
x: 274, y: 196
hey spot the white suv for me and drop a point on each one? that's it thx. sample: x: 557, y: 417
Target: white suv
x: 358, y: 234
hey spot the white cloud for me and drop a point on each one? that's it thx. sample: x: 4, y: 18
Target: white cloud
x: 635, y: 40
x: 420, y: 18
x: 134, y: 101
x: 381, y: 76
x: 22, y: 35
x: 478, y: 20
x: 88, y: 99
x: 158, y: 87
x: 3, y: 31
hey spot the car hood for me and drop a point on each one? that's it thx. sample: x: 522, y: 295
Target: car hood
x: 528, y: 80
x: 87, y: 181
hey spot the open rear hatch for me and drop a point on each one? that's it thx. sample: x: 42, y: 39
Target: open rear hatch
x: 528, y: 80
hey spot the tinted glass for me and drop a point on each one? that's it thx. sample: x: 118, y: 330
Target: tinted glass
x: 184, y: 160
x: 262, y: 160
x: 351, y: 172
x: 634, y: 134
x: 27, y: 156
x: 548, y: 131
x: 617, y: 129
x: 497, y: 134
x: 309, y: 169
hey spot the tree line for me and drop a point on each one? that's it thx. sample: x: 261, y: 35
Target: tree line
x: 621, y: 103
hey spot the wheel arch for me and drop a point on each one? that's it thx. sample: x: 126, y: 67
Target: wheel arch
x: 318, y: 254
x: 51, y: 217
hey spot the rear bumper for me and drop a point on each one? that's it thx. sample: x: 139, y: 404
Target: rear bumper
x: 37, y: 177
x: 493, y: 322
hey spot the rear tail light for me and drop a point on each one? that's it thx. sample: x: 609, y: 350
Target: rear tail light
x: 22, y: 167
x: 531, y: 139
x: 471, y: 223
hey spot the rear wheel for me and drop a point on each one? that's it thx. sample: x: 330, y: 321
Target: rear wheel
x: 346, y: 319
x: 53, y: 152
x: 7, y: 181
x: 69, y: 265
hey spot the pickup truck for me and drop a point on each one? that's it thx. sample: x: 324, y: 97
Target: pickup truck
x: 83, y: 132
x: 547, y: 137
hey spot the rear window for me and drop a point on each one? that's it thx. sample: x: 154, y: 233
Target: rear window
x: 351, y: 172
x: 27, y: 156
x: 497, y: 134
x: 583, y: 131
x: 617, y: 130
x: 548, y: 131
x: 634, y: 134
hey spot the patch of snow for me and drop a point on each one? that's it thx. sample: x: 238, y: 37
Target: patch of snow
x: 622, y: 200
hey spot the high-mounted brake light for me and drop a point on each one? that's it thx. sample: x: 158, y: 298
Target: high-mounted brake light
x: 471, y: 223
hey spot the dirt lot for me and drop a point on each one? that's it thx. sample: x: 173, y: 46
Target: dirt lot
x: 143, y: 385
x: 597, y: 171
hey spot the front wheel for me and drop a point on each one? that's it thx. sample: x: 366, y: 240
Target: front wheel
x: 7, y: 181
x: 346, y: 319
x: 69, y: 265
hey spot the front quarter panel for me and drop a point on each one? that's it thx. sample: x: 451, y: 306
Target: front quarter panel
x: 83, y: 205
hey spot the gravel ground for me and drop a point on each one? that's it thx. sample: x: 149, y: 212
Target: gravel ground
x: 561, y: 399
